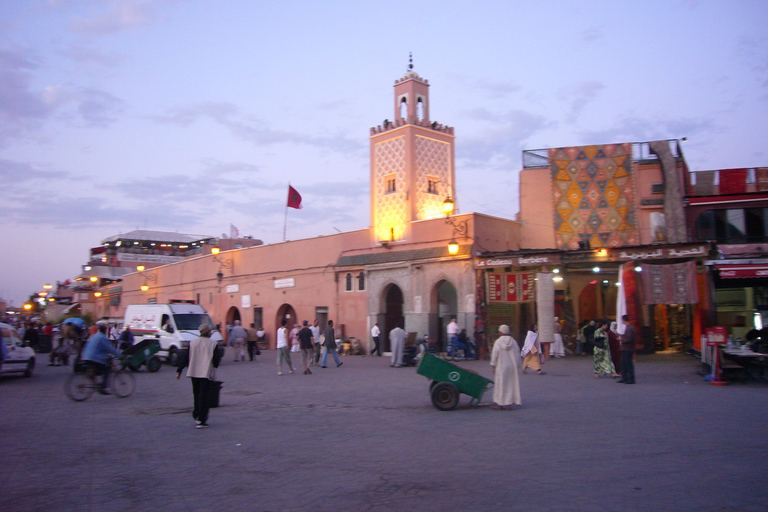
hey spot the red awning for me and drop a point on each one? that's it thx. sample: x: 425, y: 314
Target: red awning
x: 743, y: 271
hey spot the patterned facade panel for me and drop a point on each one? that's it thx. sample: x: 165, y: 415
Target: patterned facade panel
x: 391, y: 210
x: 593, y: 196
x: 433, y: 159
x: 511, y: 287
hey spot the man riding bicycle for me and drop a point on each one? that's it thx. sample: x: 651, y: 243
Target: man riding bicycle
x: 98, y: 351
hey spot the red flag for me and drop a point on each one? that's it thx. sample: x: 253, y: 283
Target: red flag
x: 294, y: 198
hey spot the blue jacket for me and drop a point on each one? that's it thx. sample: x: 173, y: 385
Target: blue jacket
x: 98, y: 348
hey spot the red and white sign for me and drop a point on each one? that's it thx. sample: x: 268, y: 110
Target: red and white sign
x: 742, y: 271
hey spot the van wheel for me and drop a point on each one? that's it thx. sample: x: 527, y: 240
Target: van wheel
x: 173, y: 356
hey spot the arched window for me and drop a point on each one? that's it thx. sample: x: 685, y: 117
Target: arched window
x: 348, y: 283
x: 420, y: 110
x: 404, y: 109
x: 360, y: 282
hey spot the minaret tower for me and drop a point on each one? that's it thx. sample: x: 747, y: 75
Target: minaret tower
x: 412, y: 163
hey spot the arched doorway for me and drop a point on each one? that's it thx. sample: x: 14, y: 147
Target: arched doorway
x: 232, y: 314
x: 393, y: 312
x: 443, y: 307
x: 287, y: 313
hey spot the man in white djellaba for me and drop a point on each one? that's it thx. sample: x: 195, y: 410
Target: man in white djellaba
x: 505, y: 361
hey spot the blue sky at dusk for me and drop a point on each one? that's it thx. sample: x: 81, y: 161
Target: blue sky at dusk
x: 187, y: 116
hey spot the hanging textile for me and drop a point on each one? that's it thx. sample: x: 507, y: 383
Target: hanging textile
x: 670, y: 284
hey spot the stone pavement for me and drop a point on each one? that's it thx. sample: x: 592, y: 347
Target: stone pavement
x: 365, y: 437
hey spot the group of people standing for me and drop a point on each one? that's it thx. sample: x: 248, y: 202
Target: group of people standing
x: 612, y: 352
x: 310, y: 342
x: 508, y: 360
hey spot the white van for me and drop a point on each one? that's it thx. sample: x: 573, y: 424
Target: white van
x: 173, y: 325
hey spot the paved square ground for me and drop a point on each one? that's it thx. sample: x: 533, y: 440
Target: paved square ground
x: 365, y: 437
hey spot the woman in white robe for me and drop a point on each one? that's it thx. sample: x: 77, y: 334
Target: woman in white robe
x: 558, y: 348
x: 505, y: 360
x: 532, y: 351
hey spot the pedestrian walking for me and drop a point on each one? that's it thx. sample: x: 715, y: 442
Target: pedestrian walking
x: 558, y: 348
x: 601, y: 354
x: 253, y: 337
x: 505, y: 360
x: 238, y: 337
x: 294, y: 335
x: 453, y: 332
x: 330, y: 345
x: 531, y: 351
x: 315, y: 328
x: 126, y: 339
x: 282, y: 348
x: 614, y: 343
x: 204, y: 358
x: 375, y: 333
x: 397, y: 344
x: 307, y: 344
x: 589, y: 336
x: 628, y: 348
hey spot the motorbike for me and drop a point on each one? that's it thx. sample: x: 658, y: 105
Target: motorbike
x: 413, y: 354
x: 460, y: 350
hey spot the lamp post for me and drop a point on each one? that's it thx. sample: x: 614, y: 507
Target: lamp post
x: 228, y: 264
x: 147, y: 278
x: 460, y: 229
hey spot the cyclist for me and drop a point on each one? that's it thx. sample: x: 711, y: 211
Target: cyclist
x: 97, y: 352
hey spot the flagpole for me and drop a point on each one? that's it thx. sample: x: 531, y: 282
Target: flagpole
x: 285, y: 222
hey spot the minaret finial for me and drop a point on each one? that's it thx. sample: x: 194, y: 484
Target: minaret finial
x: 410, y: 61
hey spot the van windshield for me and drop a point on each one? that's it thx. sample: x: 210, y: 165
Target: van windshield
x: 191, y: 321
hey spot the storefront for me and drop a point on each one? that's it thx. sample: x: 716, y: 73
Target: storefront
x: 665, y: 289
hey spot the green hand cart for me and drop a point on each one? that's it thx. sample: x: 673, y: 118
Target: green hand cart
x: 449, y: 381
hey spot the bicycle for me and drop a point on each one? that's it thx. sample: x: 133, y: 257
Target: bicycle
x: 81, y: 385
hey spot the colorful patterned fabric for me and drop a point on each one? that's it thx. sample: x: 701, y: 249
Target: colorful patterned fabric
x: 511, y: 287
x: 602, y: 356
x: 670, y: 284
x: 593, y: 196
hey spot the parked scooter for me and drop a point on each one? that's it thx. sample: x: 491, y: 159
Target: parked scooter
x: 463, y: 348
x: 413, y: 354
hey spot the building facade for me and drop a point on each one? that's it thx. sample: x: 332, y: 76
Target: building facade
x: 398, y: 271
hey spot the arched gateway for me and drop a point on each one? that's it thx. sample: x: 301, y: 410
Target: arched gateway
x: 393, y: 312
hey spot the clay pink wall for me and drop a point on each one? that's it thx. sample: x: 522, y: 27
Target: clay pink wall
x: 309, y: 262
x: 536, y: 215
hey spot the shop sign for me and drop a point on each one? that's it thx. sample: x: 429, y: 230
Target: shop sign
x: 661, y: 253
x: 511, y: 287
x: 288, y: 282
x: 742, y: 271
x: 232, y: 288
x: 521, y: 261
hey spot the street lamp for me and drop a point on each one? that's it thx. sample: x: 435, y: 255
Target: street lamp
x: 459, y: 228
x: 147, y: 278
x: 228, y: 264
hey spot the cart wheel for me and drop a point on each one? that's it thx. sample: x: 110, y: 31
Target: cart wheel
x: 445, y: 396
x: 154, y: 364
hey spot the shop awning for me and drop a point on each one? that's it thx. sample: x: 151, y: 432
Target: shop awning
x: 742, y: 271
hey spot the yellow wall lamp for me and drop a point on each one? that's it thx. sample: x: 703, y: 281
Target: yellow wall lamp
x: 228, y: 264
x: 147, y: 277
x: 460, y: 229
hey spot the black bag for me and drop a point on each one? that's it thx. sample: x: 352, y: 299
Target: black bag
x: 599, y: 342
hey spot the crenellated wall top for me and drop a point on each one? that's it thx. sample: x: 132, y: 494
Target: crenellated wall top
x: 412, y: 75
x: 392, y: 125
